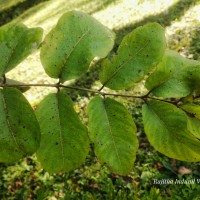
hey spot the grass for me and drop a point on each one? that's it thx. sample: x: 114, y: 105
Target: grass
x: 27, y: 180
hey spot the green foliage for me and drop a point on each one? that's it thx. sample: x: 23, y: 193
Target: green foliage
x: 64, y: 143
x: 70, y: 47
x: 20, y: 132
x: 138, y: 53
x: 172, y: 126
x: 113, y: 133
x: 16, y: 43
x: 193, y: 111
x: 175, y: 76
x: 166, y: 129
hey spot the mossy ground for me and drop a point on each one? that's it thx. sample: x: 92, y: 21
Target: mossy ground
x: 27, y: 180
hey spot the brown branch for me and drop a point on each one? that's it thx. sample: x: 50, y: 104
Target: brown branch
x: 59, y: 85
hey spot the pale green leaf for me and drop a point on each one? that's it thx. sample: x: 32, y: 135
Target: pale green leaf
x: 70, y: 47
x: 19, y: 129
x: 113, y: 132
x: 167, y: 130
x: 138, y: 53
x: 16, y: 43
x: 64, y: 142
x: 14, y: 82
x: 175, y: 76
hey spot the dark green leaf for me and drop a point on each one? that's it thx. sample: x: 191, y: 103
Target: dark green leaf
x: 175, y: 76
x: 114, y: 134
x: 64, y: 143
x: 19, y: 129
x: 166, y: 128
x: 138, y: 53
x: 16, y: 43
x: 71, y: 46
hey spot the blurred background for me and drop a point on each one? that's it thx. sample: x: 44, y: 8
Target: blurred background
x: 26, y: 179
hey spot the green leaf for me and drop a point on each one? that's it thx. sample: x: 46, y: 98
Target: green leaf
x: 64, y: 143
x: 192, y: 109
x: 20, y: 132
x: 70, y: 47
x: 193, y: 112
x: 16, y: 43
x: 113, y: 132
x: 14, y: 82
x: 175, y: 76
x: 138, y: 53
x: 166, y: 128
x: 194, y: 126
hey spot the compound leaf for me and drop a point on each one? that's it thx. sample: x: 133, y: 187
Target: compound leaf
x: 16, y: 43
x: 138, y: 53
x: 166, y: 128
x: 175, y: 76
x: 64, y: 142
x: 19, y: 128
x: 113, y: 132
x: 70, y: 47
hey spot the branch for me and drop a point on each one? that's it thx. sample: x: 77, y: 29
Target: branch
x: 59, y: 85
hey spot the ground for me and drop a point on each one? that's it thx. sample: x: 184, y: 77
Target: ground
x: 27, y: 180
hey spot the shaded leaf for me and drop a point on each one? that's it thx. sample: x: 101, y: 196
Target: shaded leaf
x: 175, y: 76
x: 16, y: 43
x: 114, y: 134
x: 64, y: 142
x: 14, y: 82
x: 138, y: 53
x: 20, y: 132
x: 166, y: 128
x: 70, y: 47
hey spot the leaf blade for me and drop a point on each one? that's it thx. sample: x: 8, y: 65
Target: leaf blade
x: 16, y: 43
x: 175, y: 76
x: 167, y: 131
x: 64, y: 142
x: 138, y: 53
x: 107, y: 130
x: 86, y: 39
x: 20, y: 132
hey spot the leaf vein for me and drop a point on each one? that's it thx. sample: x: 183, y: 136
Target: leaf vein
x: 111, y: 134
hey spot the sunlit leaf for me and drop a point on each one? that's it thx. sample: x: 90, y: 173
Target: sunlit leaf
x: 166, y: 128
x: 16, y: 43
x: 70, y: 47
x: 138, y: 53
x: 113, y: 132
x: 64, y: 142
x: 19, y: 129
x: 175, y: 76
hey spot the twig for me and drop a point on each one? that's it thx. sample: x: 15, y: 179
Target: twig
x: 59, y: 85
